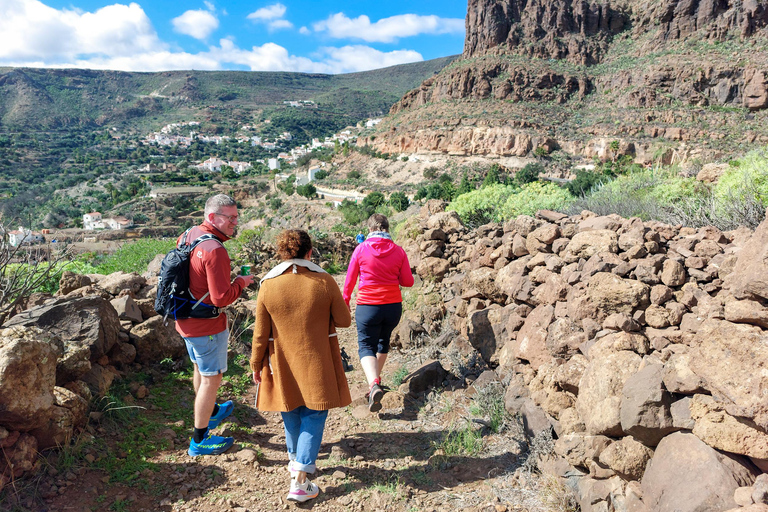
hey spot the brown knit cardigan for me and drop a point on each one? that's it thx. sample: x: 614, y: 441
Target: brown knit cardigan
x: 295, y: 344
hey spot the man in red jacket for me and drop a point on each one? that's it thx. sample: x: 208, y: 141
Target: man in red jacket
x: 206, y: 338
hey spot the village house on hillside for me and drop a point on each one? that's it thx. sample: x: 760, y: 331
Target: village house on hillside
x: 94, y: 220
x: 24, y: 237
x: 214, y: 164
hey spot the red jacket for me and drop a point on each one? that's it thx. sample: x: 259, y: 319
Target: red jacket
x: 383, y: 267
x: 209, y: 270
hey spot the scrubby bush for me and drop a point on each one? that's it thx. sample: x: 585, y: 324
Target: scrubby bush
x: 536, y: 196
x: 482, y: 206
x: 746, y: 177
x: 529, y: 173
x: 399, y: 201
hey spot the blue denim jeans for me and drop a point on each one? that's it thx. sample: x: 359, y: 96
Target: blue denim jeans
x: 209, y: 353
x: 303, y: 435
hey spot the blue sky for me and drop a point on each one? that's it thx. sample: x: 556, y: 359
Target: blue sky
x: 156, y: 35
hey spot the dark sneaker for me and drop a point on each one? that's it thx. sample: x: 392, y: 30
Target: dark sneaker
x: 303, y: 492
x: 225, y: 410
x: 211, y: 445
x: 374, y: 398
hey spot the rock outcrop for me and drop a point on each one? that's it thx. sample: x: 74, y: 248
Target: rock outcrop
x: 649, y: 365
x: 534, y: 72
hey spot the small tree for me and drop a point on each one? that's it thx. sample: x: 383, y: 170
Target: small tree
x: 529, y: 173
x: 309, y: 190
x: 465, y: 186
x: 22, y: 271
x: 399, y: 201
x: 492, y: 176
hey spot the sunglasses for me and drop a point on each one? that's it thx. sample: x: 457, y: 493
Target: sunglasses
x: 231, y: 218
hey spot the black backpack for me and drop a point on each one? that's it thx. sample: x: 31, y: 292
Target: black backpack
x: 173, y: 296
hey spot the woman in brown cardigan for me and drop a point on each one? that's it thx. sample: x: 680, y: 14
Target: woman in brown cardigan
x: 296, y: 357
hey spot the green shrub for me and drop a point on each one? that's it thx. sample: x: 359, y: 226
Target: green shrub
x: 536, y: 196
x: 399, y: 201
x: 585, y: 181
x: 747, y: 176
x: 309, y: 190
x: 529, y: 173
x: 483, y: 205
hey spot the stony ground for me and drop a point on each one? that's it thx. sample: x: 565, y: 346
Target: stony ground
x: 392, y: 460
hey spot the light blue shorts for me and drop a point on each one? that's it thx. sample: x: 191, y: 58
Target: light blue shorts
x: 209, y: 353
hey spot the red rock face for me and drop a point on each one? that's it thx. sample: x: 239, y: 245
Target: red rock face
x: 548, y: 29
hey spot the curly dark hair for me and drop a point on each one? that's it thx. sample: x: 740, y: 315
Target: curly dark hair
x: 293, y: 243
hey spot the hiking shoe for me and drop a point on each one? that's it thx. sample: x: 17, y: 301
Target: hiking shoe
x: 211, y: 445
x: 225, y: 410
x: 303, y: 492
x: 374, y: 398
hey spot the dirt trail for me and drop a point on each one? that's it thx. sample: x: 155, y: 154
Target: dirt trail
x: 384, y: 461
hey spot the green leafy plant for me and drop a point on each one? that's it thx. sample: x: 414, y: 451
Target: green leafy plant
x: 398, y: 376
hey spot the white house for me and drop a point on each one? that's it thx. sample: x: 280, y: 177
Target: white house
x: 240, y: 166
x: 213, y: 164
x: 24, y: 236
x: 118, y: 223
x: 92, y: 221
x: 312, y: 171
x: 273, y: 164
x: 372, y: 122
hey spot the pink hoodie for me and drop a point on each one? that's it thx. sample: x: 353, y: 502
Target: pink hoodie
x: 383, y: 267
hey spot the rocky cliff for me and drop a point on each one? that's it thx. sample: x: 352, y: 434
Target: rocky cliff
x: 689, y: 74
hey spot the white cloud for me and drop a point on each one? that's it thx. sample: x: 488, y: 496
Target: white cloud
x: 348, y: 59
x: 198, y: 24
x: 32, y: 31
x: 210, y: 6
x: 387, y: 30
x: 268, y: 13
x: 280, y: 24
x: 121, y: 37
x: 304, y: 31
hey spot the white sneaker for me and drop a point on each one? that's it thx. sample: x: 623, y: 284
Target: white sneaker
x: 303, y: 492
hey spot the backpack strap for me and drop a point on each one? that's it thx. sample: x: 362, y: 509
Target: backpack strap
x: 199, y: 240
x: 204, y: 238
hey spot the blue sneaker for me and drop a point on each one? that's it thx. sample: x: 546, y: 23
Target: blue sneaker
x: 211, y: 445
x: 225, y: 410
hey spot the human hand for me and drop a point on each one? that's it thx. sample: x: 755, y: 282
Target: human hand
x: 248, y: 280
x: 257, y: 377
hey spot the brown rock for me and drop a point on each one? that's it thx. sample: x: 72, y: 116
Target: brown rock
x: 756, y: 89
x: 626, y: 457
x: 723, y: 346
x: 710, y: 173
x: 724, y: 432
x: 747, y: 312
x: 588, y: 243
x: 673, y: 273
x: 687, y: 475
x: 530, y: 343
x: 27, y: 377
x: 599, y: 400
x: 645, y: 406
x: 612, y: 294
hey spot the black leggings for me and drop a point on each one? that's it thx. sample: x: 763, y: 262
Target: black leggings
x: 375, y: 324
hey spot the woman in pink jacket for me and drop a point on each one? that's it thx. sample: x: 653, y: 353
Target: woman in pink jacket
x: 382, y: 267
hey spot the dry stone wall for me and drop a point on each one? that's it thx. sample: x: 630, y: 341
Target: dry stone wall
x: 643, y: 345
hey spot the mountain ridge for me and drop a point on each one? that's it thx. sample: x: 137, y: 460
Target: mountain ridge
x: 37, y: 98
x: 564, y: 75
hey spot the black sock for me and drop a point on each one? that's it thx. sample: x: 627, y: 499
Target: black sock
x: 215, y: 410
x: 199, y: 434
